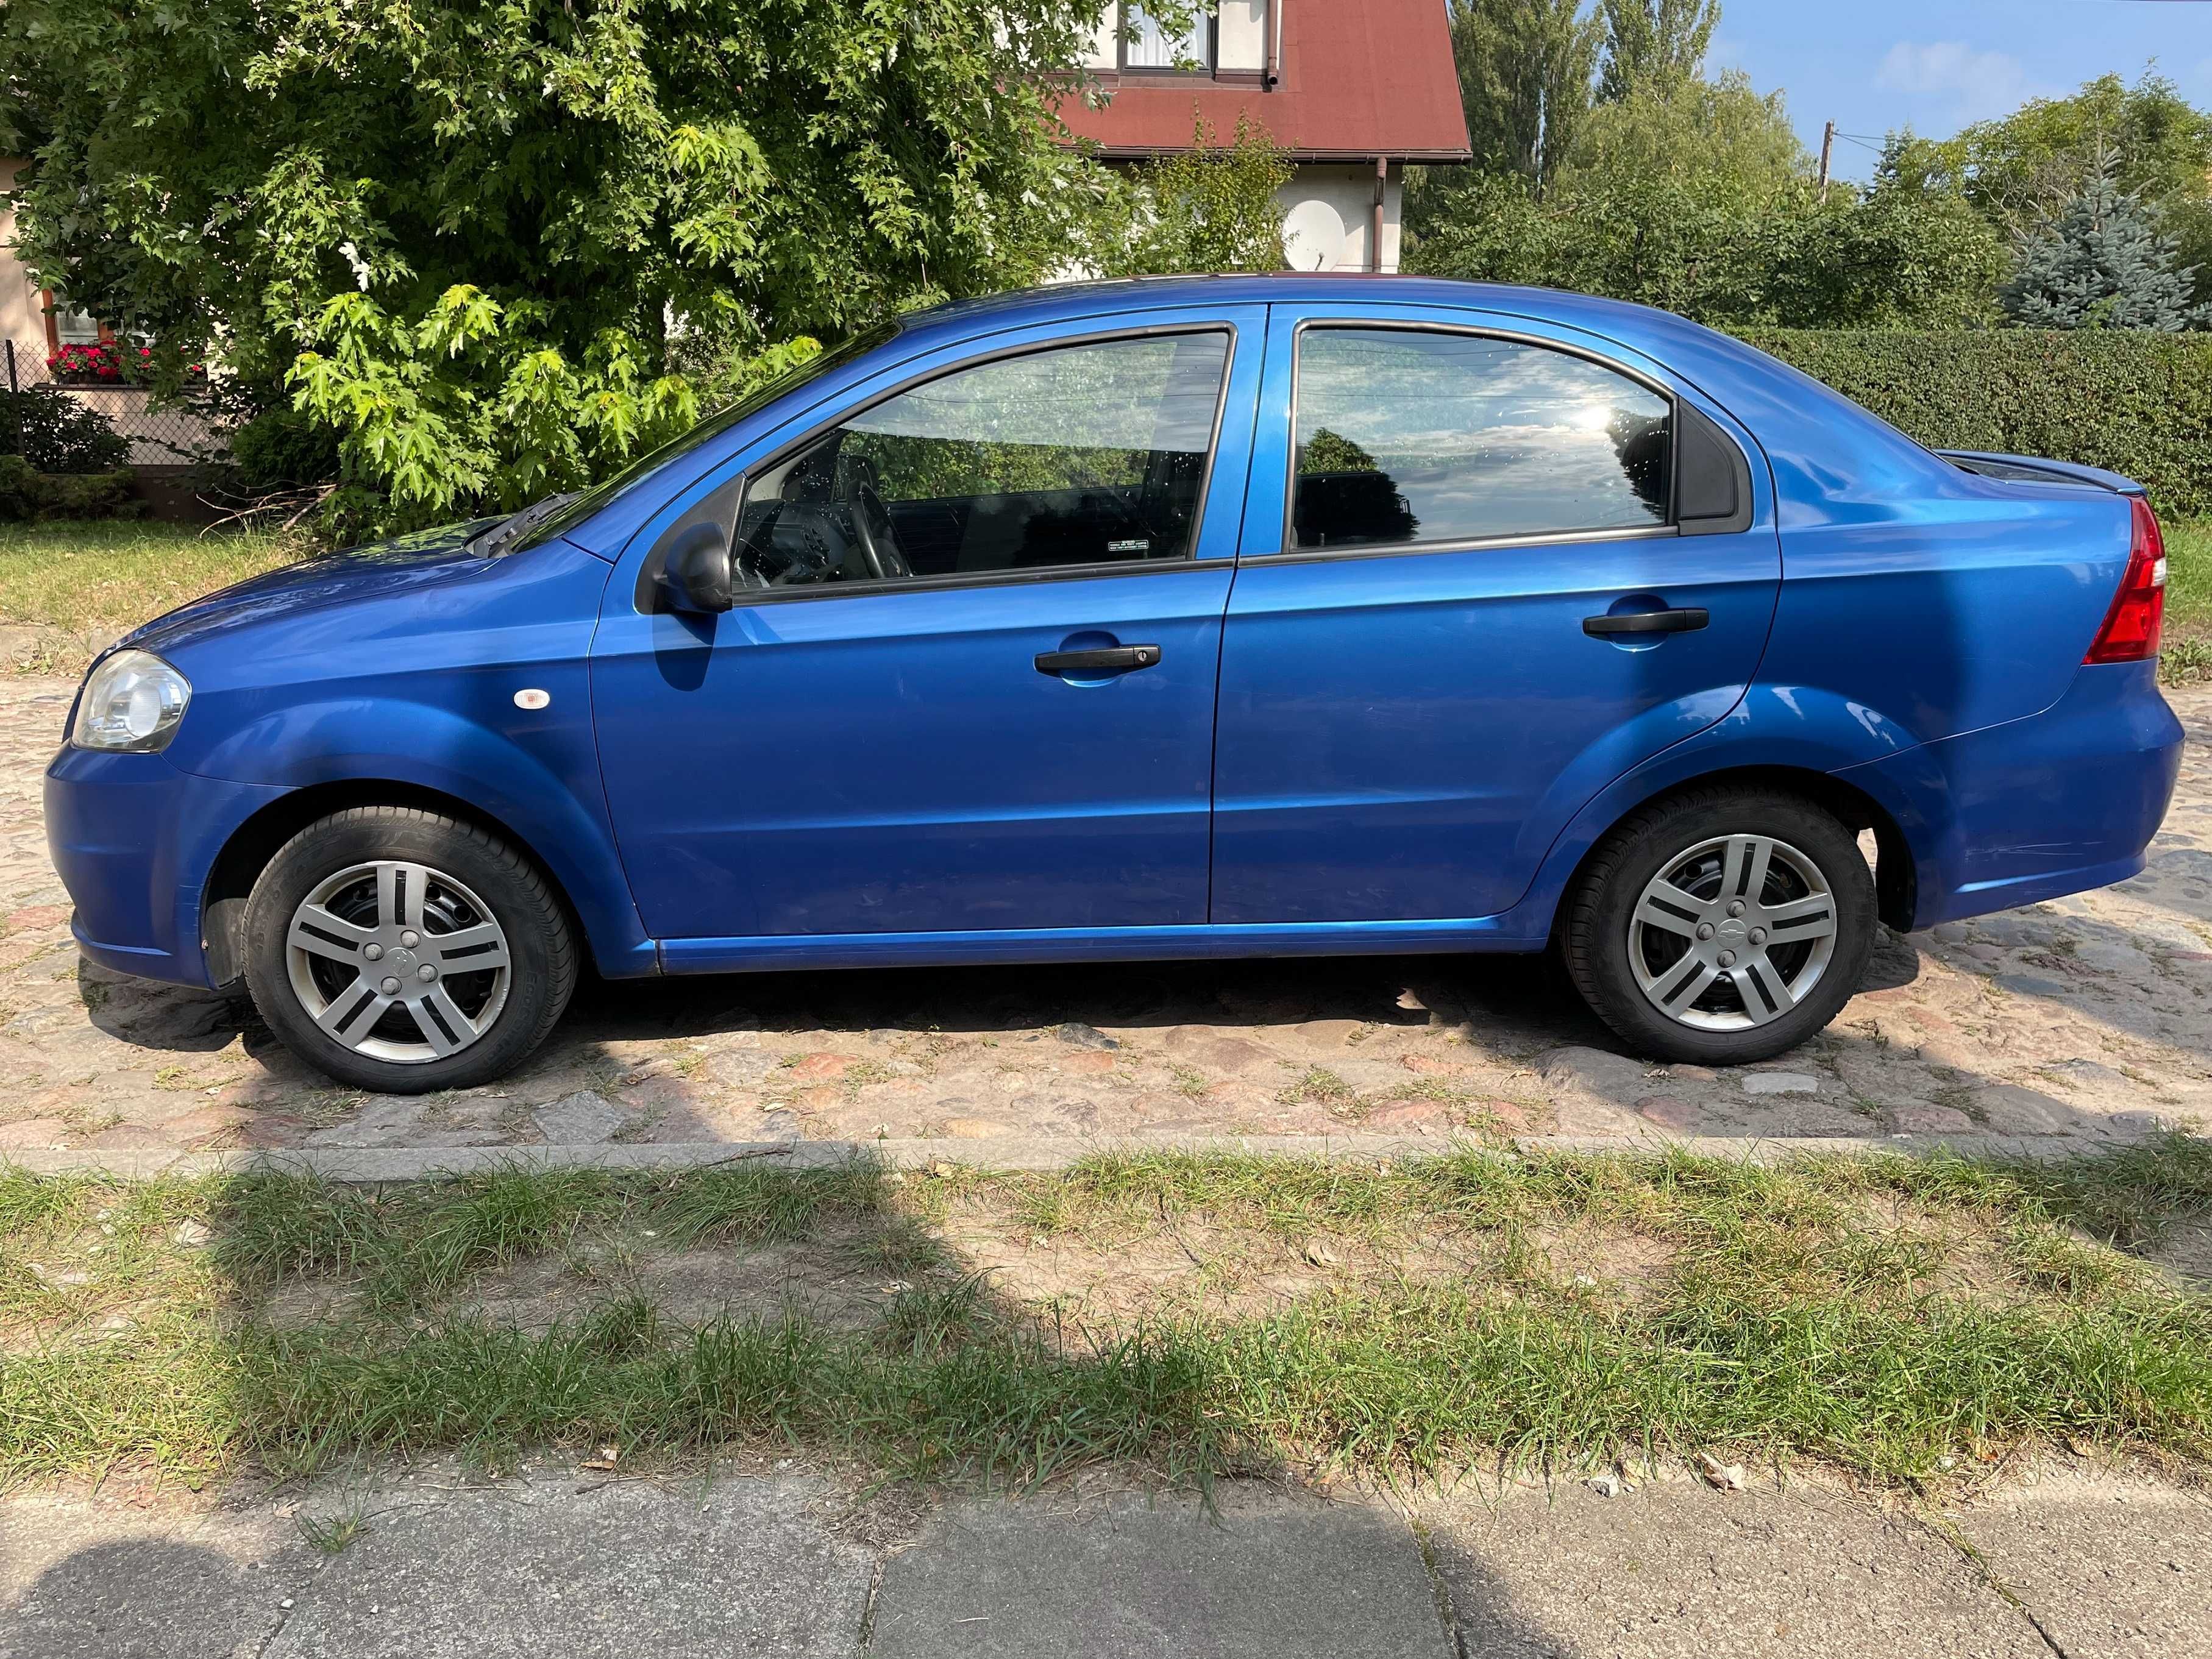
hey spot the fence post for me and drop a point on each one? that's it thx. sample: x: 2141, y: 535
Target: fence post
x: 12, y: 386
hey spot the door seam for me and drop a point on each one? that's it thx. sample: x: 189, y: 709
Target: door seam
x: 1228, y: 599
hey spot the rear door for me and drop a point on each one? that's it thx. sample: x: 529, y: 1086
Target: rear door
x: 968, y: 683
x: 1487, y: 567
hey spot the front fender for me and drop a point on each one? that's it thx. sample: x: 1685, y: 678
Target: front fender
x: 1798, y: 728
x: 537, y: 774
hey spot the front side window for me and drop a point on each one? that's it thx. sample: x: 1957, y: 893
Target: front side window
x: 1080, y: 455
x: 1406, y: 437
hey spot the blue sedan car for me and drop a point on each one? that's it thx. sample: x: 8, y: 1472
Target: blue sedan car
x: 1192, y: 617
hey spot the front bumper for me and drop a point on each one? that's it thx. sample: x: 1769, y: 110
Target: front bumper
x: 133, y: 839
x: 2056, y: 803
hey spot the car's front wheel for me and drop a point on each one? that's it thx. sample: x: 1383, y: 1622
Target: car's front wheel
x: 402, y: 951
x: 1722, y: 925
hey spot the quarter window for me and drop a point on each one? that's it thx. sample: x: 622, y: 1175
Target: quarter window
x: 1408, y: 437
x: 1091, y: 454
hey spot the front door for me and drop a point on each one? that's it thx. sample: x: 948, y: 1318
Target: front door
x: 968, y: 683
x: 1487, y: 568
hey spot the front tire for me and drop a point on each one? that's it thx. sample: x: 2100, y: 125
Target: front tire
x: 1722, y: 927
x: 402, y: 952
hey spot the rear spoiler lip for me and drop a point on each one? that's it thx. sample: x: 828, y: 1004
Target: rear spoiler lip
x: 2057, y: 472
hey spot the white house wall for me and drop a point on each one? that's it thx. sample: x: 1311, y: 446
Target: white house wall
x: 23, y: 314
x: 1105, y: 52
x: 1328, y: 214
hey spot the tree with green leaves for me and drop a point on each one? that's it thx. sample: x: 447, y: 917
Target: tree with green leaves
x: 1700, y: 201
x: 1524, y: 75
x: 2103, y: 263
x: 2025, y: 168
x: 1720, y: 136
x: 499, y: 248
x: 1654, y: 44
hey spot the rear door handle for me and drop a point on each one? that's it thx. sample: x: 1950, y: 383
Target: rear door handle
x: 1684, y: 621
x: 1113, y: 660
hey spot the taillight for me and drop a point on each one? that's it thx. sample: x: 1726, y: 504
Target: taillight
x: 2132, y: 626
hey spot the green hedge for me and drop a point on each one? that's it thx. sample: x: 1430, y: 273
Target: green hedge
x: 27, y: 494
x: 2135, y: 402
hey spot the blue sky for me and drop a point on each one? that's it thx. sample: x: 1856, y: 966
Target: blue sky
x: 1870, y: 65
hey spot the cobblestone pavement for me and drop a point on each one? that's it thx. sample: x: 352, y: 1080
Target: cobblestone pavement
x: 2086, y: 1017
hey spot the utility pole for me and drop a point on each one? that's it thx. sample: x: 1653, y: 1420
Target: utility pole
x: 1828, y: 146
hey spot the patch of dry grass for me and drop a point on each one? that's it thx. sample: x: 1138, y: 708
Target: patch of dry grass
x: 77, y: 582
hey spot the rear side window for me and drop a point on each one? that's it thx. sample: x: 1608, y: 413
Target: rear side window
x: 1078, y: 455
x: 1408, y: 437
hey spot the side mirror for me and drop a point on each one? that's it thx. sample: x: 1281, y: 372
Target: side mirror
x: 696, y: 574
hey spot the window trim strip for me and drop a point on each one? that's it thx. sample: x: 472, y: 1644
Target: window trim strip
x: 1657, y: 533
x: 1288, y: 550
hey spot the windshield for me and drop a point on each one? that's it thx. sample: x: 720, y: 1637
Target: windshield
x: 558, y: 514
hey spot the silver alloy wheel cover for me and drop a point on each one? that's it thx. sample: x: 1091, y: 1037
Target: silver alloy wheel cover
x: 399, y: 962
x: 1734, y: 934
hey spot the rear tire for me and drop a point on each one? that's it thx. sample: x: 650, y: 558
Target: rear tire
x: 1724, y: 926
x: 403, y: 952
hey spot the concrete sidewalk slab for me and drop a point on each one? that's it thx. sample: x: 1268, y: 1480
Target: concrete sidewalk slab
x: 550, y: 1564
x: 93, y: 1579
x: 1675, y: 1570
x: 553, y: 1565
x: 2109, y: 1569
x: 1130, y: 1577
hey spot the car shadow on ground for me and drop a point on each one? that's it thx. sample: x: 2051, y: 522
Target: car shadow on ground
x: 1517, y: 1048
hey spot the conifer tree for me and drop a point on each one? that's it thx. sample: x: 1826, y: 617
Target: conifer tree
x: 2104, y: 262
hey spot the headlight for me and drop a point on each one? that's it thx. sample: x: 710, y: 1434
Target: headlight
x: 132, y: 699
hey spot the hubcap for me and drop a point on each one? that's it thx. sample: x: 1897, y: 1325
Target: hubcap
x: 398, y: 962
x: 1733, y: 934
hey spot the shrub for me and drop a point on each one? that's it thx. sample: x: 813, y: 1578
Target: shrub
x: 26, y: 493
x: 281, y: 448
x: 55, y: 433
x: 2137, y: 402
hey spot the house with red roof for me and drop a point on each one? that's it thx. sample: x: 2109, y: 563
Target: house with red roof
x: 1353, y: 89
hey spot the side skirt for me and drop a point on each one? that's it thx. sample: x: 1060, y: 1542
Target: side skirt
x: 1321, y: 939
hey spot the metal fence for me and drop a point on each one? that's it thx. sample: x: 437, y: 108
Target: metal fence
x: 174, y: 436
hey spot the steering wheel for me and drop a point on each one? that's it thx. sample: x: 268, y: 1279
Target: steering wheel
x: 871, y: 528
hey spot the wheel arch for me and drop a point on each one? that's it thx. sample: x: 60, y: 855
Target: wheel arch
x: 1896, y: 878
x: 257, y: 841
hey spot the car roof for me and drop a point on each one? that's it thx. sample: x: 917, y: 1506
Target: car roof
x: 1688, y: 348
x: 1277, y: 288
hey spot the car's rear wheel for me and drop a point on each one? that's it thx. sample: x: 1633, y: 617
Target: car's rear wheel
x: 402, y: 951
x: 1722, y: 925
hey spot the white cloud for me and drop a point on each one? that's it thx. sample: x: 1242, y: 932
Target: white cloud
x: 1727, y: 52
x: 1972, y: 85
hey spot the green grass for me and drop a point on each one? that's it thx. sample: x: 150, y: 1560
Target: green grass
x: 2188, y: 646
x: 1888, y: 1315
x: 110, y: 575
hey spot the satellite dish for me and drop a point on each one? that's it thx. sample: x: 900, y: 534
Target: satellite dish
x: 1313, y: 237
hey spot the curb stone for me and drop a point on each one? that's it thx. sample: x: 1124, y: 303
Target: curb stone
x: 370, y: 1165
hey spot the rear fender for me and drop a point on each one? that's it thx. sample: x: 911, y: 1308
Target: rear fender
x: 1773, y: 728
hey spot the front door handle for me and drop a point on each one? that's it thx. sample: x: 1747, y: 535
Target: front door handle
x: 1113, y: 660
x: 1684, y: 621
